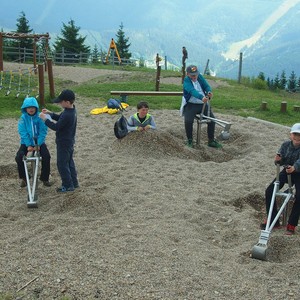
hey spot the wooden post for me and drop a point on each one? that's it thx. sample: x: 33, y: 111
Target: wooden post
x: 63, y: 55
x: 184, y: 57
x: 263, y: 105
x: 41, y: 85
x: 283, y: 107
x: 296, y: 108
x: 46, y: 46
x: 34, y: 53
x: 50, y: 78
x: 1, y: 51
x: 206, y: 67
x: 157, y: 78
x: 113, y: 57
x: 240, y: 68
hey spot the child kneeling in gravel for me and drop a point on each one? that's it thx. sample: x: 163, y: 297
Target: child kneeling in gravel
x: 141, y: 120
x: 288, y: 155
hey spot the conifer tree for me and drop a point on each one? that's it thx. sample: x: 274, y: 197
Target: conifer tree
x: 276, y: 84
x: 271, y: 84
x: 122, y: 44
x: 22, y: 27
x: 283, y: 80
x: 261, y: 76
x: 292, y: 82
x: 95, y: 54
x: 71, y: 42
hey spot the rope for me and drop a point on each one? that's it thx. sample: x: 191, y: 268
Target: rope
x: 21, y: 81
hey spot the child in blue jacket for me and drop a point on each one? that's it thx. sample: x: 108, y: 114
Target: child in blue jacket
x: 31, y: 127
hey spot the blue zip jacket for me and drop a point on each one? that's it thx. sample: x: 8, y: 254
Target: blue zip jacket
x: 189, y: 90
x: 31, y: 126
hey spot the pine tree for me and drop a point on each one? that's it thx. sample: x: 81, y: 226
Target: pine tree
x: 261, y: 76
x: 292, y: 82
x: 276, y: 82
x: 95, y: 54
x: 122, y: 44
x: 22, y: 27
x: 271, y: 85
x: 71, y: 42
x: 283, y: 80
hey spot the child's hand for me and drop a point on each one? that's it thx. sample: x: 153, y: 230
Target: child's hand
x: 140, y: 129
x: 43, y: 116
x: 289, y: 169
x: 147, y: 127
x: 46, y: 111
x: 277, y: 157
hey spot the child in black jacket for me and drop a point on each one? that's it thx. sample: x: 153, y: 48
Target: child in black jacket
x: 64, y: 125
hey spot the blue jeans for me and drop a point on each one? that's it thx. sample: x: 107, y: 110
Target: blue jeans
x: 66, y: 166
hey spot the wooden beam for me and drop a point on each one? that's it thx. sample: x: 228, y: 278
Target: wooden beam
x: 145, y: 93
x: 18, y: 35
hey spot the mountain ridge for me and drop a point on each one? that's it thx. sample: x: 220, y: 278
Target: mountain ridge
x: 264, y: 31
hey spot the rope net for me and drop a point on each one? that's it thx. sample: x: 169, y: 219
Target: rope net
x: 20, y: 83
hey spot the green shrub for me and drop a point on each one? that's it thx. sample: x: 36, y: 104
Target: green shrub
x: 259, y: 84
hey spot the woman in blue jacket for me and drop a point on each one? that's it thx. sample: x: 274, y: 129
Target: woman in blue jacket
x: 31, y: 127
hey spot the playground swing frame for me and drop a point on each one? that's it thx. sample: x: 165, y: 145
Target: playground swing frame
x: 16, y: 35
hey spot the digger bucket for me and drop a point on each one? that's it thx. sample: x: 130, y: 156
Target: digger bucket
x: 259, y: 251
x: 34, y: 159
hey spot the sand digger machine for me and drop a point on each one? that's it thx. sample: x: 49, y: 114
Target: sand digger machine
x: 204, y: 119
x: 32, y: 159
x: 259, y: 251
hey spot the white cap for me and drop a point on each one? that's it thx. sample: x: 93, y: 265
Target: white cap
x: 295, y: 128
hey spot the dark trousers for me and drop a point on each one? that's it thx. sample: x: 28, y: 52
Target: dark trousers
x: 66, y: 166
x: 190, y: 111
x: 44, y: 152
x: 295, y: 213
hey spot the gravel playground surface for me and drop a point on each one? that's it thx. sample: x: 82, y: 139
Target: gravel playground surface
x: 152, y: 219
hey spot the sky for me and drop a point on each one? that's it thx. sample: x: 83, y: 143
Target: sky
x: 187, y: 21
x: 89, y: 14
x: 48, y: 15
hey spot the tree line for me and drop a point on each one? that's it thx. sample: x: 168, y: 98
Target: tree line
x: 69, y: 41
x: 281, y: 82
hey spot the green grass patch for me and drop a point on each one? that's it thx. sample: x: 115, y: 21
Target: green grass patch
x: 229, y: 98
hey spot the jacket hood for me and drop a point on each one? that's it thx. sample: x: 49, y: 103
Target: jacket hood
x: 29, y: 102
